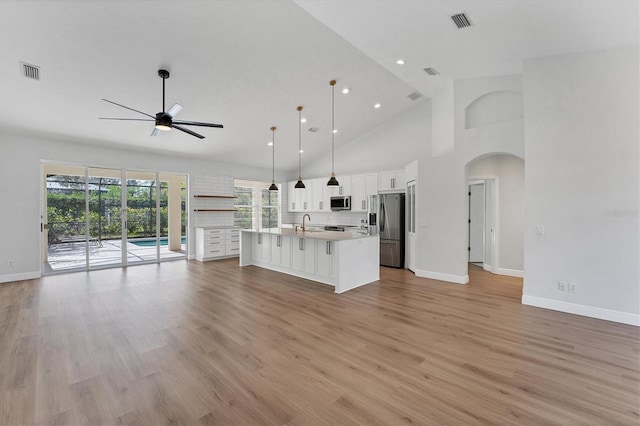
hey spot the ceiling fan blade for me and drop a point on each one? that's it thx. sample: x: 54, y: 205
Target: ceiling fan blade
x: 155, y: 132
x: 197, y: 135
x: 197, y: 123
x: 174, y: 110
x: 126, y: 107
x: 125, y: 119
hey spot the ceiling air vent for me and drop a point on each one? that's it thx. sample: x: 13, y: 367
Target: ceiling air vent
x: 30, y: 71
x: 415, y: 95
x: 431, y: 71
x: 313, y: 129
x: 461, y: 20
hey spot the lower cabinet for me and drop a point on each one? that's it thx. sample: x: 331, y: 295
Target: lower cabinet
x: 324, y: 252
x: 281, y: 251
x: 213, y: 243
x: 344, y: 264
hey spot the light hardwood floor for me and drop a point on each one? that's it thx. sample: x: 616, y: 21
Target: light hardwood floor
x: 212, y: 343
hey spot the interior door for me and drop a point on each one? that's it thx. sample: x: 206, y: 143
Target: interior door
x: 476, y: 222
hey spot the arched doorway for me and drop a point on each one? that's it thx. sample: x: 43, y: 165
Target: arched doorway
x: 495, y: 184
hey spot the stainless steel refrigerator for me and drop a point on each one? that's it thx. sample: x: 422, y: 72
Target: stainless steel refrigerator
x: 386, y: 218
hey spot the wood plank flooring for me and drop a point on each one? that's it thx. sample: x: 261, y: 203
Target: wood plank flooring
x: 212, y: 343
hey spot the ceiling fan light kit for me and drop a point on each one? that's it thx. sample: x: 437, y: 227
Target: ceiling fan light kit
x: 164, y: 120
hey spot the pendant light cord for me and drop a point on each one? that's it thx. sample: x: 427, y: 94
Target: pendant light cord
x: 299, y: 142
x: 273, y: 154
x: 333, y: 126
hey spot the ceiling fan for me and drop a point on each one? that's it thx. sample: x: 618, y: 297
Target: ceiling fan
x: 164, y: 120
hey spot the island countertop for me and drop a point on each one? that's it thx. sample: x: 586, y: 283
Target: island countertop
x: 318, y: 235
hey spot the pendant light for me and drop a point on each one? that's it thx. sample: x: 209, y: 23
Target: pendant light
x: 273, y: 186
x: 332, y: 180
x: 299, y: 184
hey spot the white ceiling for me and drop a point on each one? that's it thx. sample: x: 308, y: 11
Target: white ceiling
x: 248, y: 64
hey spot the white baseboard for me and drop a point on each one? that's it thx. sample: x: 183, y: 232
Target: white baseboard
x: 511, y: 272
x: 20, y: 277
x: 457, y: 279
x: 584, y: 310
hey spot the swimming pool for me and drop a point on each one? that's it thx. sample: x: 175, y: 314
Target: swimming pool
x: 152, y: 242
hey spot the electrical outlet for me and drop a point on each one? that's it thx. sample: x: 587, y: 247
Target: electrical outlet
x: 562, y: 286
x: 10, y: 263
x: 573, y: 288
x: 539, y: 229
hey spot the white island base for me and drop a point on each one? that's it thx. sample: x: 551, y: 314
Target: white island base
x: 342, y: 259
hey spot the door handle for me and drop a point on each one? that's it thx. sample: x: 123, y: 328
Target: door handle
x: 364, y: 204
x: 259, y: 238
x: 300, y: 243
x: 320, y: 205
x: 328, y: 247
x: 278, y: 241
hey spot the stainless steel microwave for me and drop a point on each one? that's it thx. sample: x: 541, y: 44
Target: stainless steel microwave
x: 341, y: 203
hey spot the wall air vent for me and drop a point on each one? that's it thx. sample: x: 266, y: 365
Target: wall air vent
x: 431, y: 71
x: 30, y: 71
x: 313, y: 129
x: 461, y: 20
x: 415, y: 95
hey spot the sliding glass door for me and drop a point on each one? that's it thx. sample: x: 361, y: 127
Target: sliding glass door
x: 104, y: 195
x: 64, y: 219
x: 98, y: 217
x: 143, y: 241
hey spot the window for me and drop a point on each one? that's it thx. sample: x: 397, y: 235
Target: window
x: 256, y: 207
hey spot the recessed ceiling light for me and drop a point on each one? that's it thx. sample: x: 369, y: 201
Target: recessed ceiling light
x: 301, y: 151
x: 345, y: 90
x: 335, y: 130
x: 303, y: 120
x: 400, y: 62
x: 377, y: 106
x: 269, y: 143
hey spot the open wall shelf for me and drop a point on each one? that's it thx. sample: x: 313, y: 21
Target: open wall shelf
x: 214, y: 210
x: 213, y: 196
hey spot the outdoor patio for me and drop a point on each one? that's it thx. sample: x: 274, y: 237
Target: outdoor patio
x: 72, y: 255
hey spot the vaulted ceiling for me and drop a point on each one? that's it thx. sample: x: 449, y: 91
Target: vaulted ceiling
x: 248, y: 64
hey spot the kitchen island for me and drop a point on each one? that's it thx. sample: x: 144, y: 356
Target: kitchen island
x: 345, y: 260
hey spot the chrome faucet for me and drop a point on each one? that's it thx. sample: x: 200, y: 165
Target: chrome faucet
x: 306, y: 215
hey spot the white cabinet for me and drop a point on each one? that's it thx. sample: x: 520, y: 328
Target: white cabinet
x: 315, y: 202
x: 297, y: 254
x: 256, y: 249
x: 281, y: 251
x: 303, y: 255
x: 212, y: 243
x: 298, y: 198
x: 362, y: 186
x: 324, y: 261
x: 391, y: 181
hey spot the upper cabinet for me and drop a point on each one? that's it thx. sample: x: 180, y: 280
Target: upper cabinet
x: 362, y: 186
x: 391, y: 181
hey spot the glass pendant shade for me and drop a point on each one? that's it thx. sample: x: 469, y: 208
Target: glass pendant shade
x: 332, y: 180
x: 273, y: 186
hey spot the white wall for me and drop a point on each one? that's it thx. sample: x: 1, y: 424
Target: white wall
x: 390, y: 146
x: 582, y: 183
x: 20, y: 192
x: 442, y: 195
x: 509, y: 171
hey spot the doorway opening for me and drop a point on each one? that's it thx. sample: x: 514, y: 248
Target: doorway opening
x: 94, y: 218
x: 482, y: 227
x: 495, y: 184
